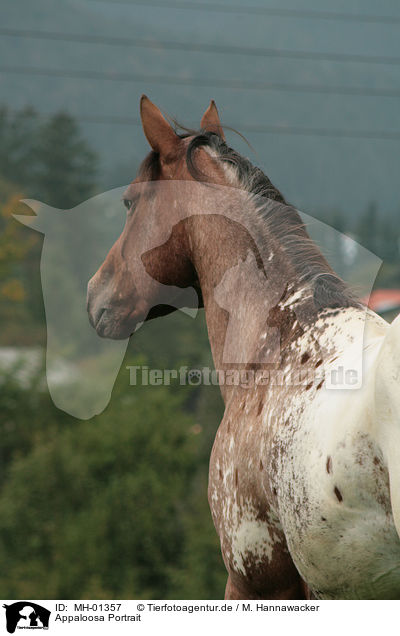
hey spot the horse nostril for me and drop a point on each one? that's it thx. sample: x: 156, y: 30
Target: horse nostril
x: 90, y: 316
x: 94, y: 314
x: 100, y: 314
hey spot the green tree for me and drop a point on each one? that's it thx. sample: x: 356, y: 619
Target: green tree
x: 114, y: 507
x: 66, y: 165
x: 46, y: 160
x: 18, y: 143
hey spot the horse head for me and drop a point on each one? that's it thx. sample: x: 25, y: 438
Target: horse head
x: 149, y: 271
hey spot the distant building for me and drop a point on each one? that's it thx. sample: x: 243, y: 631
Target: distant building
x: 386, y: 303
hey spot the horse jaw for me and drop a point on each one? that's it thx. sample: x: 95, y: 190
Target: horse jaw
x: 387, y: 411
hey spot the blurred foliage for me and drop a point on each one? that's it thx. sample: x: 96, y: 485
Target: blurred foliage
x: 45, y: 160
x: 66, y: 166
x: 15, y: 247
x: 113, y: 507
x: 375, y: 230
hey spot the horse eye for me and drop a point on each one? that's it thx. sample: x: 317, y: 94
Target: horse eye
x: 128, y: 203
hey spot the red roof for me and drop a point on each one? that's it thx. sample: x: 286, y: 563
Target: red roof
x: 382, y: 300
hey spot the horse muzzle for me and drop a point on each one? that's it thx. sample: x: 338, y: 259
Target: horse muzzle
x: 115, y: 320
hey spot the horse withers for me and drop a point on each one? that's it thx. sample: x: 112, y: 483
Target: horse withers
x: 304, y: 487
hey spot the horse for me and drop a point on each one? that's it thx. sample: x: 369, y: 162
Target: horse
x: 304, y: 477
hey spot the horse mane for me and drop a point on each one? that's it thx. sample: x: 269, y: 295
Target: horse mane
x: 279, y: 218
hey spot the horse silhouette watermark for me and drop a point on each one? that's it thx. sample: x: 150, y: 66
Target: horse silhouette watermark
x: 81, y: 366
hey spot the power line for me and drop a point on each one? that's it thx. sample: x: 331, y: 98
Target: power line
x: 254, y: 10
x: 204, y: 82
x: 322, y: 132
x: 256, y: 128
x: 198, y: 47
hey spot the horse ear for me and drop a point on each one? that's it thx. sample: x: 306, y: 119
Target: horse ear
x: 210, y: 121
x: 159, y: 133
x: 44, y: 216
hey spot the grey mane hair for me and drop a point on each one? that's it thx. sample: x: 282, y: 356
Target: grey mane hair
x: 284, y: 223
x: 275, y: 216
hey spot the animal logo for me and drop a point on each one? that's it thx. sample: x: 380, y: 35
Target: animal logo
x: 194, y: 377
x: 25, y: 614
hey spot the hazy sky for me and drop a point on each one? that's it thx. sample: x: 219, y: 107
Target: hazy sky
x: 325, y: 129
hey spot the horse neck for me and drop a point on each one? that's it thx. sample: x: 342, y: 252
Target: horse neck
x: 243, y: 278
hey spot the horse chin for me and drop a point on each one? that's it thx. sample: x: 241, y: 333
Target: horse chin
x: 113, y: 332
x: 113, y: 328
